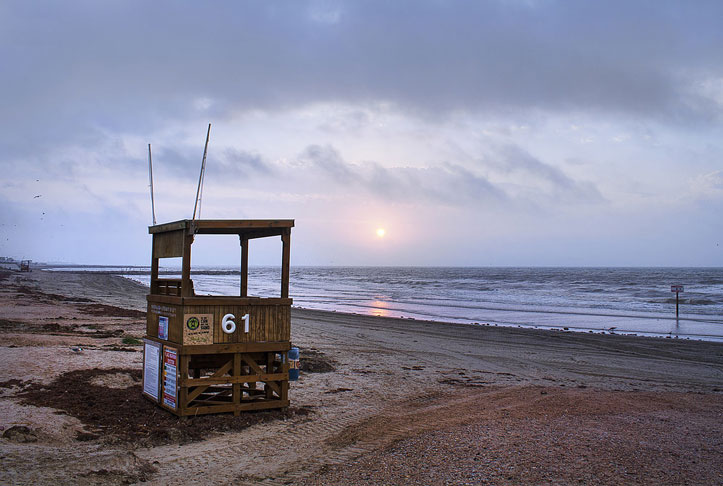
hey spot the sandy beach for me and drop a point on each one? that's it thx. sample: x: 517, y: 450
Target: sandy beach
x: 380, y: 401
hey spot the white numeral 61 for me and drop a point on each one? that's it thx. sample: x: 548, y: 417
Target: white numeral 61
x: 229, y: 326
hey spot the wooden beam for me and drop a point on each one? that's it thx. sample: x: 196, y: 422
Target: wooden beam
x: 244, y: 266
x: 228, y: 348
x: 218, y: 300
x: 252, y: 364
x: 220, y: 372
x: 270, y: 369
x: 186, y: 290
x: 162, y: 228
x: 234, y: 380
x: 285, y: 262
x: 236, y: 398
x: 263, y: 233
x: 154, y: 275
x: 277, y: 346
x: 183, y: 399
x: 220, y: 226
x: 284, y: 395
x: 264, y: 405
x: 208, y: 225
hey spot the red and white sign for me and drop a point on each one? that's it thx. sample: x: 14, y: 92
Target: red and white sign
x: 676, y: 288
x: 170, y: 388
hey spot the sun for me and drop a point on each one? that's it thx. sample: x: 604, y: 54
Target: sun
x: 381, y: 232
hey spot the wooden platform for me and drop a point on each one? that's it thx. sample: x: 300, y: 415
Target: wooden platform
x: 228, y: 378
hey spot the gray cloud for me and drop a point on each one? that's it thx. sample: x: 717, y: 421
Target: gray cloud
x: 513, y: 160
x: 448, y: 184
x: 454, y: 184
x: 244, y: 163
x: 393, y: 184
x: 330, y: 162
x: 173, y: 163
x: 84, y: 85
x: 71, y: 67
x: 473, y: 186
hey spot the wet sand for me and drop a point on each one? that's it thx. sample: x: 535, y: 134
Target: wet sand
x: 407, y: 402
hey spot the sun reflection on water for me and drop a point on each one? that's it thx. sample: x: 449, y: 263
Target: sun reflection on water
x: 379, y: 308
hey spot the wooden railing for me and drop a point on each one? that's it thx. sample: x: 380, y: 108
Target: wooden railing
x: 167, y: 286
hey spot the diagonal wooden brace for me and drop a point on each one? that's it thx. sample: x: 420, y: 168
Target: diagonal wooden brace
x: 252, y: 364
x: 200, y: 389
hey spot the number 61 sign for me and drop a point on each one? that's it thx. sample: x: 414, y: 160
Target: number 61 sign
x: 229, y: 326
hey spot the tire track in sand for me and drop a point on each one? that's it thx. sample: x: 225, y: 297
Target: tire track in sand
x: 276, y: 452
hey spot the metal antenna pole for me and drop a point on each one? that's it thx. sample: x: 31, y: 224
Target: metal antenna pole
x: 200, y: 194
x: 200, y: 177
x: 150, y: 179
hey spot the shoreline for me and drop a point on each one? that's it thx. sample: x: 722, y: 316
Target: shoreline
x: 140, y: 290
x: 91, y: 285
x: 612, y: 331
x: 621, y: 319
x: 115, y: 290
x: 701, y: 326
x: 377, y: 393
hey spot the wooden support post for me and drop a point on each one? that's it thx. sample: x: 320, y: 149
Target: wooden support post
x: 237, y: 386
x: 269, y: 370
x: 284, y: 395
x: 154, y: 275
x: 244, y: 266
x: 154, y: 267
x: 285, y: 262
x: 183, y: 375
x: 186, y: 290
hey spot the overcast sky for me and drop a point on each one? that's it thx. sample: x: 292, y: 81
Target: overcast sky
x: 475, y: 133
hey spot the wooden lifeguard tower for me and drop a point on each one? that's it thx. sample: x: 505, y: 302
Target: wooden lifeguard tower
x: 210, y: 354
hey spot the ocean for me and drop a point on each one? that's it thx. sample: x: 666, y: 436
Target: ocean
x: 610, y: 300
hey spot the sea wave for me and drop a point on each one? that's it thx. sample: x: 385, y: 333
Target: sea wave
x: 588, y: 298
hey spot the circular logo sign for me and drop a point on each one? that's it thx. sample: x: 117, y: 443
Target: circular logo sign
x: 192, y: 323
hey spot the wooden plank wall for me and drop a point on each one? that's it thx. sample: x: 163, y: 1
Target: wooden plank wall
x: 168, y: 245
x: 266, y: 322
x: 175, y: 320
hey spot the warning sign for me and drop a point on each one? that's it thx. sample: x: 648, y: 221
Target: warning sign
x: 170, y: 375
x: 151, y: 367
x: 198, y: 329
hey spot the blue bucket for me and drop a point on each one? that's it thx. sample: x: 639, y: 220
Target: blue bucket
x: 293, y: 364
